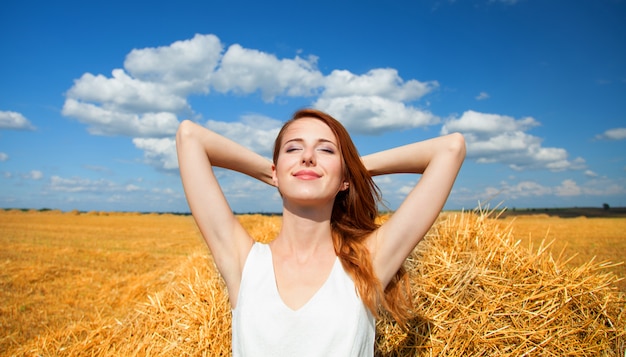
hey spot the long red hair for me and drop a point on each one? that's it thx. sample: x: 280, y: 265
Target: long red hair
x: 353, y: 218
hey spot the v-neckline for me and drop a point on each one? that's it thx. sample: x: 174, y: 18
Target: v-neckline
x: 312, y: 297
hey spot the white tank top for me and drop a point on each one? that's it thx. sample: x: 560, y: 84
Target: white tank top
x: 334, y: 322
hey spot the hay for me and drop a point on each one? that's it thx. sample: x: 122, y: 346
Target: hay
x: 190, y: 317
x: 477, y: 292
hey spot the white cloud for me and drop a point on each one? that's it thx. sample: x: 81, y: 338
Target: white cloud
x: 495, y: 138
x: 109, y: 195
x: 508, y: 192
x: 380, y: 82
x: 145, y: 101
x: 132, y: 188
x: 376, y: 101
x: 255, y: 132
x: 568, y: 188
x: 36, y: 175
x: 85, y: 185
x: 482, y: 96
x: 183, y: 67
x: 502, y: 193
x: 76, y: 184
x: 248, y: 195
x: 15, y: 121
x: 122, y: 93
x: 160, y: 153
x: 146, y: 97
x: 485, y: 125
x: 3, y: 157
x: 526, y: 189
x: 374, y: 114
x: 613, y: 134
x: 245, y: 71
x: 33, y: 175
x: 603, y: 186
x: 394, y: 188
x: 104, y: 121
x: 97, y: 168
x: 590, y: 173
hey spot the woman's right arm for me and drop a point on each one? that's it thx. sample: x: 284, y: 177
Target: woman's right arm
x: 199, y: 149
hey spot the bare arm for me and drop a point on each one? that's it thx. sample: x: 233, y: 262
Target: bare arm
x: 439, y: 161
x: 199, y: 149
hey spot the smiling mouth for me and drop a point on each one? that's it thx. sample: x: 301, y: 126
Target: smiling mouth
x: 307, y: 175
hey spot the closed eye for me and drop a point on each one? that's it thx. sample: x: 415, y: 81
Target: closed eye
x: 292, y: 149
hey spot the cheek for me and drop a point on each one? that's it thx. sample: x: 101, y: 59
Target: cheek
x: 336, y: 167
x: 281, y: 169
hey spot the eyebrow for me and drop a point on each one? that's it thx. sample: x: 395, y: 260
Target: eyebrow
x: 320, y: 140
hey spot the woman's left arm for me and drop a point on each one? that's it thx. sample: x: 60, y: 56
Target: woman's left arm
x: 439, y: 161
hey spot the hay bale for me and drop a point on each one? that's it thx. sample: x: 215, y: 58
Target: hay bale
x: 476, y: 291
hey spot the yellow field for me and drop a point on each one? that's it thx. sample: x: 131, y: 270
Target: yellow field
x: 60, y: 271
x: 580, y: 239
x: 58, y: 268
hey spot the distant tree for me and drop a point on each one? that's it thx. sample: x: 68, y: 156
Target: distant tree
x: 606, y: 206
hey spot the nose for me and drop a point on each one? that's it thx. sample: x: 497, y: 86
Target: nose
x: 308, y: 157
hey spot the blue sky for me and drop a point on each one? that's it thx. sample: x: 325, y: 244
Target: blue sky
x: 91, y: 93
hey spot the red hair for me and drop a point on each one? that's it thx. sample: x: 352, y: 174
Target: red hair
x: 353, y: 218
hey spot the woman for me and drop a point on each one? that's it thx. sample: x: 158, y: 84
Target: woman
x: 316, y: 289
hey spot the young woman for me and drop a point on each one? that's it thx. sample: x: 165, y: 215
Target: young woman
x: 316, y: 289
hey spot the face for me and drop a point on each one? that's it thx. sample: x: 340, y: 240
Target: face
x: 309, y: 168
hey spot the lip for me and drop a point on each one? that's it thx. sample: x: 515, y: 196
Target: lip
x: 307, y: 175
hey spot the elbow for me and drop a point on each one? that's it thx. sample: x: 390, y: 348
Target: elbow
x: 457, y: 146
x: 185, y: 130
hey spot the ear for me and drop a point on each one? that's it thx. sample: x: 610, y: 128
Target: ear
x: 345, y: 185
x: 274, y: 178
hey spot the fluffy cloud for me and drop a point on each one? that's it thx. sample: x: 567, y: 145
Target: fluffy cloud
x: 497, y: 138
x: 160, y: 153
x: 15, y: 121
x: 376, y: 101
x: 183, y: 67
x: 253, y: 131
x: 246, y: 71
x: 146, y: 97
x: 105, y: 121
x: 3, y: 157
x: 568, y: 188
x: 613, y: 134
x: 374, y: 114
x: 126, y: 94
x: 380, y: 82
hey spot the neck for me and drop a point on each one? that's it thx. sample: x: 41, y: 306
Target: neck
x: 305, y: 232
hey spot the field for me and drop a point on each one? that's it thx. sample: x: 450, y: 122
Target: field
x: 92, y: 283
x: 579, y: 239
